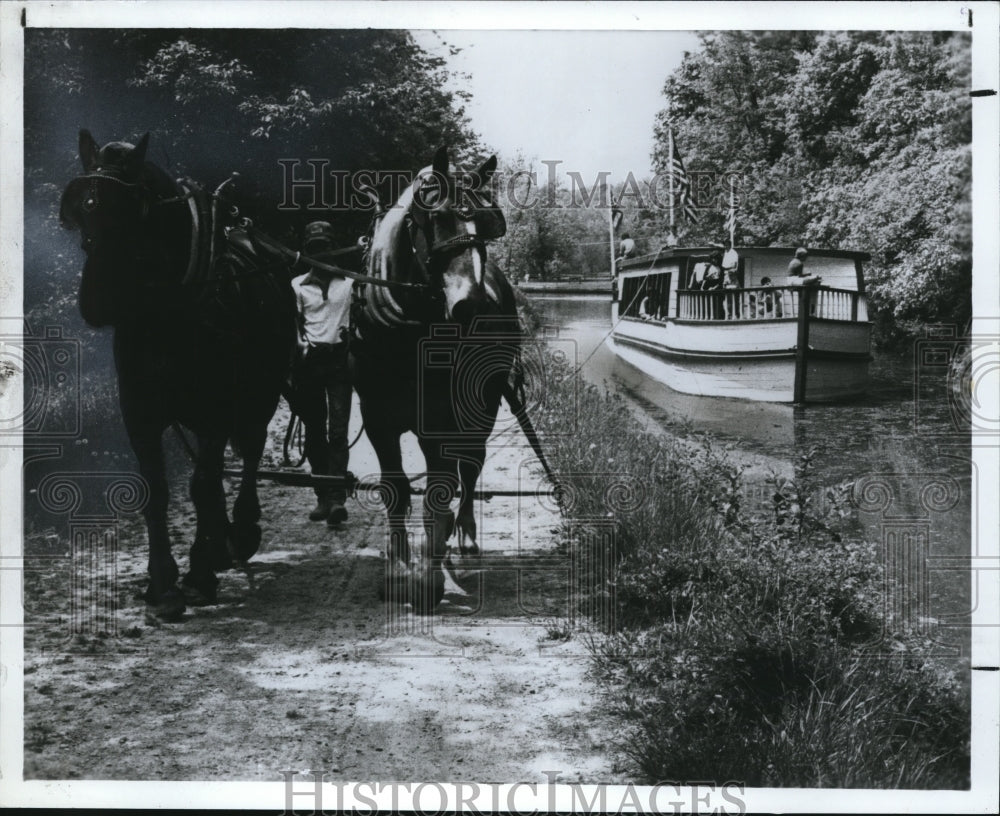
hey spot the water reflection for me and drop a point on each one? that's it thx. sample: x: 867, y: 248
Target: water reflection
x: 899, y: 446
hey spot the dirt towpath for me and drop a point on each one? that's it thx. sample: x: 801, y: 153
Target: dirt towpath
x: 305, y: 667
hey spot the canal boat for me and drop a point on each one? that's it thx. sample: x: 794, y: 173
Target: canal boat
x: 760, y: 338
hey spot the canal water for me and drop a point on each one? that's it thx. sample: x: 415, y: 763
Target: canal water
x: 904, y: 449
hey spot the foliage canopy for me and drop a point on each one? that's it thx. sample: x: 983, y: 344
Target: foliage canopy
x: 855, y: 140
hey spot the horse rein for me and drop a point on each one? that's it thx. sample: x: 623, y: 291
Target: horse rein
x: 188, y: 192
x: 278, y: 248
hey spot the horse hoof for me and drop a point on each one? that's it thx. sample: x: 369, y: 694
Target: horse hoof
x: 221, y: 560
x: 168, y: 607
x: 468, y: 550
x: 395, y: 589
x: 200, y: 591
x: 246, y: 541
x: 465, y: 565
x: 426, y: 592
x: 398, y: 568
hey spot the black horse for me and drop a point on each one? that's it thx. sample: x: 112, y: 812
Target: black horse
x: 203, y: 335
x: 433, y: 354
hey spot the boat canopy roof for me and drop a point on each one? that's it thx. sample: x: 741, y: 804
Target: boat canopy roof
x: 668, y: 253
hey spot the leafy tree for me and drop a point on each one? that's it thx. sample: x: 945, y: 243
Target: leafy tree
x: 551, y: 235
x: 218, y: 101
x: 902, y: 182
x: 843, y: 139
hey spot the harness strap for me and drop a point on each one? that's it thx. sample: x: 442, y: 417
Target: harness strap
x: 520, y: 412
x: 274, y: 246
x: 185, y: 196
x: 97, y: 174
x: 196, y: 231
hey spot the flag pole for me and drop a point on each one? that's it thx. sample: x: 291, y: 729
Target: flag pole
x: 611, y: 232
x: 732, y: 212
x: 670, y: 144
x: 672, y: 235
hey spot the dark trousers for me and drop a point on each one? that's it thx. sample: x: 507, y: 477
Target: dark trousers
x: 323, y: 401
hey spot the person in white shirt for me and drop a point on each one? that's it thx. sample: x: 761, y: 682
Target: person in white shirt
x: 321, y: 378
x: 733, y: 304
x: 646, y: 309
x: 707, y: 274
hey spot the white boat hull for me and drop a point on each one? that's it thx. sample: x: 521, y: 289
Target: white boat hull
x: 747, y: 361
x: 761, y: 336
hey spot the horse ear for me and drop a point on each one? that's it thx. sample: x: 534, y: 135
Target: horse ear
x: 138, y: 154
x: 483, y: 174
x: 440, y: 163
x: 88, y: 151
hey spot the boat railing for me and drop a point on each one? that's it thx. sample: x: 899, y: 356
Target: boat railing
x: 772, y: 303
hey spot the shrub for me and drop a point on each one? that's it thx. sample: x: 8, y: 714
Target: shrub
x: 694, y: 705
x: 748, y: 647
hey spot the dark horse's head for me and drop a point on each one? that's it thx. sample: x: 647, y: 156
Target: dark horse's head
x: 451, y: 216
x: 110, y: 205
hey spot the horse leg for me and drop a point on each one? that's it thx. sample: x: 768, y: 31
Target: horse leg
x: 469, y: 468
x: 442, y: 488
x: 246, y: 533
x: 338, y: 392
x: 208, y: 553
x: 395, y: 493
x: 439, y: 523
x: 162, y: 593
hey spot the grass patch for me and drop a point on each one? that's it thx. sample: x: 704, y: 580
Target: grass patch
x: 744, y: 646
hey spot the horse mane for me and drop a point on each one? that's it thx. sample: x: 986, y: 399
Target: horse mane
x: 158, y: 181
x: 390, y: 231
x: 391, y: 242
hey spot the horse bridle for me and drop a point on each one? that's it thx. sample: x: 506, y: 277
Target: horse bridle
x: 92, y: 199
x: 438, y: 251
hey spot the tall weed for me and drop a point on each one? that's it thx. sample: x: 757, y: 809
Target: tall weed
x: 747, y: 647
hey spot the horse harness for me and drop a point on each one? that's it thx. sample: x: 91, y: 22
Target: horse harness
x: 221, y: 255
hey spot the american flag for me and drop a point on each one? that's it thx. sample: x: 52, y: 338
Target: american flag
x: 731, y: 218
x: 682, y: 186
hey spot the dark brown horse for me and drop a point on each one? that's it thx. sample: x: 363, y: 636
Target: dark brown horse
x: 433, y: 355
x: 203, y: 335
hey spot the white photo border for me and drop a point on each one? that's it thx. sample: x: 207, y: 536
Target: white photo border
x: 556, y: 15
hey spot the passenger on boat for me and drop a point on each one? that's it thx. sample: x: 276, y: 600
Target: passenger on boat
x: 698, y: 271
x: 766, y: 304
x: 797, y: 275
x: 713, y: 282
x: 707, y: 274
x: 626, y: 249
x: 646, y: 307
x: 713, y: 277
x: 730, y: 280
x: 731, y: 268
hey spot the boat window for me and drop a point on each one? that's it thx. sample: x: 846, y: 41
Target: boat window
x: 646, y: 296
x: 661, y: 295
x: 631, y: 287
x: 688, y: 279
